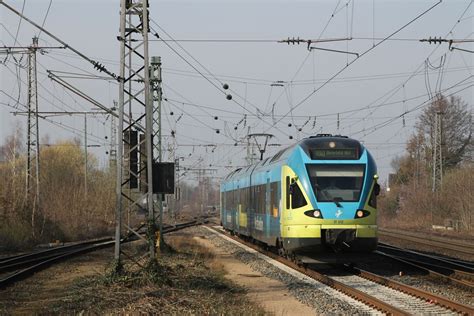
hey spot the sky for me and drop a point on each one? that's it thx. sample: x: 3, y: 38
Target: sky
x: 277, y: 88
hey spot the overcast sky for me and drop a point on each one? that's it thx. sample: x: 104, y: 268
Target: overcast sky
x: 371, y: 94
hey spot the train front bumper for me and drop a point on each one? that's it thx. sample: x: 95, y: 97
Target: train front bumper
x: 317, y: 237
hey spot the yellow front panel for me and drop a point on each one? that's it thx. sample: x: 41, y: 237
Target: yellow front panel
x: 366, y: 231
x: 338, y: 226
x: 292, y: 216
x: 301, y: 231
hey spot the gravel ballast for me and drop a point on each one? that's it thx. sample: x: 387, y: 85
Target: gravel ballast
x: 322, y: 298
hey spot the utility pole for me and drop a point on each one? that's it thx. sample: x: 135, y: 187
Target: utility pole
x: 134, y: 90
x: 85, y: 155
x: 156, y: 93
x: 45, y: 114
x: 437, y: 152
x: 33, y: 151
x: 113, y: 139
x: 202, y: 175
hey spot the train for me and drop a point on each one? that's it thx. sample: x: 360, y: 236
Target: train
x: 317, y: 195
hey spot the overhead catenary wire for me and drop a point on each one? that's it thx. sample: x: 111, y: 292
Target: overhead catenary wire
x: 45, y: 17
x: 424, y: 60
x: 362, y: 55
x: 203, y: 75
x: 98, y: 66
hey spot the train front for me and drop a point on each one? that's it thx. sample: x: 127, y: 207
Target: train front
x: 333, y: 180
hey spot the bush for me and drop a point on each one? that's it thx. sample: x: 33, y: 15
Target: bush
x: 66, y: 213
x: 416, y: 206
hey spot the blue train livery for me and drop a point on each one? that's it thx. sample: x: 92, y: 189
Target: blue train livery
x: 319, y: 194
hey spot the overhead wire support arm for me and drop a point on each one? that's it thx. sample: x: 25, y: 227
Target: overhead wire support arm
x: 25, y: 49
x: 439, y: 40
x: 94, y: 102
x: 356, y: 59
x: 333, y: 50
x: 298, y: 41
x: 96, y: 64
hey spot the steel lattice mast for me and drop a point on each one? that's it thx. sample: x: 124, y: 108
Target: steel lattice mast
x: 134, y: 179
x: 33, y: 153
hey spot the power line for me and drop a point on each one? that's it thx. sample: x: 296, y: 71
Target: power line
x: 95, y: 64
x: 19, y: 23
x: 45, y: 17
x: 228, y: 96
x: 360, y: 56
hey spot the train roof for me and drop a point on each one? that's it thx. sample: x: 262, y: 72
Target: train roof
x: 307, y: 144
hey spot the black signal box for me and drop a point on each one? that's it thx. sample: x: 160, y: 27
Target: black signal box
x: 163, y: 177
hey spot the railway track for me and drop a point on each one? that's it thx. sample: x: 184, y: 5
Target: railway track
x: 16, y: 268
x: 465, y: 247
x: 377, y: 292
x: 453, y: 271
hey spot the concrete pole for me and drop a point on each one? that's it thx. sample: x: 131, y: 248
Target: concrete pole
x: 85, y: 155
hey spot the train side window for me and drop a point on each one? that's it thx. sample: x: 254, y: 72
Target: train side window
x: 224, y: 201
x: 287, y: 189
x: 373, y: 196
x: 297, y: 197
x: 274, y: 199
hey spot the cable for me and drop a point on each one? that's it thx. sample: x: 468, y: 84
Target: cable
x: 197, y: 70
x: 387, y: 122
x: 45, y: 17
x: 19, y: 23
x: 361, y: 55
x: 95, y: 64
x: 430, y: 54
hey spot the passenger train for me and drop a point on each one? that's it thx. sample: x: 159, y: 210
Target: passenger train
x: 317, y: 195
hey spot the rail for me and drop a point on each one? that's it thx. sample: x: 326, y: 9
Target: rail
x: 359, y: 295
x: 466, y: 247
x: 37, y: 261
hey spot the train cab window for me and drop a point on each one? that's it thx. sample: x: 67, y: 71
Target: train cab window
x: 287, y: 189
x: 297, y: 197
x: 341, y: 182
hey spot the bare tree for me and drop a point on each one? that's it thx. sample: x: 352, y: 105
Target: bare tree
x: 456, y: 122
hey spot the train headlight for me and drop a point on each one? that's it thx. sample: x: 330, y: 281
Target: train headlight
x: 361, y: 213
x: 314, y: 214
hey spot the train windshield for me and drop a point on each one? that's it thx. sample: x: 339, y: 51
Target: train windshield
x: 336, y: 183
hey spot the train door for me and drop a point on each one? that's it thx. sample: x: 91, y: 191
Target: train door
x: 236, y: 212
x: 267, y: 216
x: 294, y: 224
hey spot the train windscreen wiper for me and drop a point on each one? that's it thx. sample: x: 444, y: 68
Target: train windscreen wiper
x: 337, y: 200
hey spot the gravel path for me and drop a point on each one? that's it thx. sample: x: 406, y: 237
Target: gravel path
x: 322, y: 298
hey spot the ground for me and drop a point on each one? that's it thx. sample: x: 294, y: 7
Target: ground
x: 195, y: 270
x: 195, y: 277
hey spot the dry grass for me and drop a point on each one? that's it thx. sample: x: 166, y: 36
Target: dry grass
x: 185, y: 281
